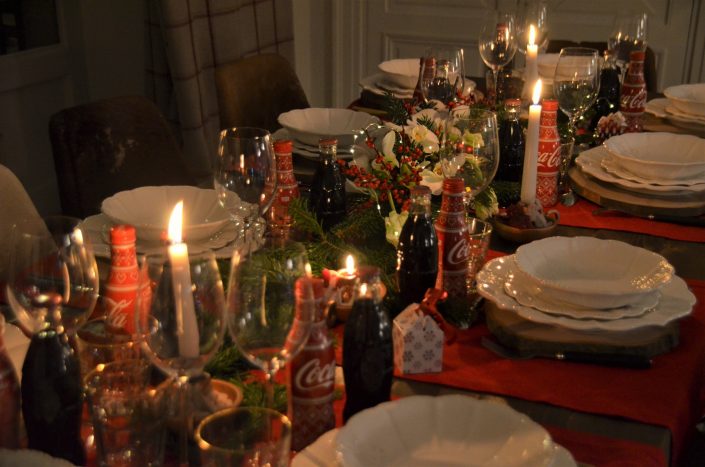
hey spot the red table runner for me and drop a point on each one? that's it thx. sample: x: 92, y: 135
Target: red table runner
x: 671, y: 394
x: 581, y: 215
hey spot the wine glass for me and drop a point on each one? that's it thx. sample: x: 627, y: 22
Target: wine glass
x: 262, y: 313
x: 180, y: 314
x: 448, y: 70
x: 470, y: 147
x: 628, y: 35
x: 534, y: 12
x: 497, y: 42
x: 48, y: 257
x: 245, y: 176
x: 576, y: 81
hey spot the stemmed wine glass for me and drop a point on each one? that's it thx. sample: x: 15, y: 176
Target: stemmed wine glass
x: 576, y: 81
x: 448, y: 71
x: 51, y: 257
x: 180, y: 314
x: 534, y: 12
x: 628, y: 35
x: 497, y: 42
x: 470, y: 148
x: 245, y: 176
x: 262, y: 313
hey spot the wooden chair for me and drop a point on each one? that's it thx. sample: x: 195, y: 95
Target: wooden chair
x: 112, y: 145
x: 253, y: 91
x: 555, y: 46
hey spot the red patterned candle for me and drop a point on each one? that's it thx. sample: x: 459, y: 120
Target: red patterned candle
x: 549, y: 154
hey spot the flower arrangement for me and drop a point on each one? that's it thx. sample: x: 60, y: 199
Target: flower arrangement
x: 405, y: 152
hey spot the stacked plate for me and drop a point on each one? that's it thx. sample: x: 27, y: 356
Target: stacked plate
x: 449, y: 430
x: 684, y: 107
x: 587, y: 284
x: 662, y: 165
x: 547, y: 66
x: 305, y: 127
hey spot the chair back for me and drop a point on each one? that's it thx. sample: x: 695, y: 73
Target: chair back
x: 254, y: 91
x: 112, y: 145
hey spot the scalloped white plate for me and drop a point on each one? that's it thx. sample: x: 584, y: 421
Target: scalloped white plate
x: 590, y: 162
x: 615, y: 169
x: 688, y: 98
x: 659, y: 154
x: 676, y: 302
x: 148, y: 209
x: 30, y: 458
x: 591, y: 272
x: 402, y: 73
x: 312, y: 124
x: 526, y: 295
x: 445, y: 430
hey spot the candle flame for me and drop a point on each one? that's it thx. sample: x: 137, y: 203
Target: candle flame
x: 537, y: 92
x: 175, y: 221
x: 350, y: 265
x: 532, y: 34
x: 307, y: 268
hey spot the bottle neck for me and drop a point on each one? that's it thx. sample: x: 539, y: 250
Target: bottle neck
x: 420, y: 205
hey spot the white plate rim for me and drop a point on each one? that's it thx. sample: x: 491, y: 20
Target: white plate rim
x: 676, y: 302
x: 612, y: 167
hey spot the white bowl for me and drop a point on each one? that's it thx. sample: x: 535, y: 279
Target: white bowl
x: 310, y: 125
x: 663, y: 156
x: 148, y: 209
x: 591, y: 272
x: 688, y: 98
x: 449, y: 430
x: 401, y: 72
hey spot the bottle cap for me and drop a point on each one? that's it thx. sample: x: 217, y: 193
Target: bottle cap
x: 122, y: 234
x: 453, y: 185
x: 283, y: 146
x: 549, y: 104
x: 324, y: 142
x: 512, y: 102
x: 420, y: 190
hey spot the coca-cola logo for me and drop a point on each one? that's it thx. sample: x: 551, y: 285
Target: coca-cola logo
x: 550, y: 159
x: 117, y: 311
x: 459, y: 253
x: 312, y: 376
x: 635, y: 101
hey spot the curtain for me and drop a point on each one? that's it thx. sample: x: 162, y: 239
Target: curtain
x: 186, y: 40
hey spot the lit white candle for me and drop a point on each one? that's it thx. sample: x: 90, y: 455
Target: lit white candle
x: 528, y: 178
x: 531, y: 70
x: 187, y: 328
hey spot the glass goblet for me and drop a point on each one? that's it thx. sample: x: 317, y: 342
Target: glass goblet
x: 263, y: 318
x: 448, y: 71
x: 245, y: 176
x: 470, y: 148
x: 576, y: 81
x: 497, y: 42
x: 628, y: 35
x: 180, y: 315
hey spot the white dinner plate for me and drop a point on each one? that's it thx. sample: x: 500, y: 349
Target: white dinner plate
x: 590, y: 162
x: 30, y: 458
x: 523, y: 293
x: 612, y: 167
x: 369, y: 83
x: 673, y: 110
x: 657, y: 107
x: 676, y: 302
x: 97, y: 229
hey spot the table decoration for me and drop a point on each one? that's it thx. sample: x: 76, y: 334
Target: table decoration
x: 418, y: 341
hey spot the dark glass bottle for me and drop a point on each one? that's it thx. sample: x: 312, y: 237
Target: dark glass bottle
x: 51, y: 390
x: 327, y: 199
x: 9, y: 398
x: 417, y: 253
x: 608, y: 97
x: 511, y: 143
x: 368, y: 358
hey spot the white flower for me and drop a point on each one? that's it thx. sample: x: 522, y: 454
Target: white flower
x: 387, y: 151
x: 424, y: 137
x: 473, y: 139
x: 393, y: 225
x: 433, y: 179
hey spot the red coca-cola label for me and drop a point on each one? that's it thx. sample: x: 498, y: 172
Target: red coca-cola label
x: 632, y: 100
x: 287, y: 188
x: 453, y: 247
x: 121, y: 288
x: 549, y: 154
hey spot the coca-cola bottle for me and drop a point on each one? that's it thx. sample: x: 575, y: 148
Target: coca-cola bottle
x: 549, y: 156
x: 417, y: 252
x: 511, y: 143
x: 453, y: 250
x: 313, y: 374
x: 327, y: 198
x: 632, y: 101
x: 123, y: 280
x: 9, y: 397
x: 280, y: 221
x: 368, y: 355
x: 51, y: 389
